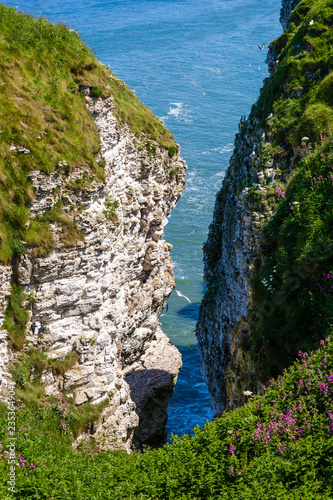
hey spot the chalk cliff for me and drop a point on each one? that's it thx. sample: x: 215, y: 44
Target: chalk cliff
x: 229, y: 257
x: 231, y: 362
x: 100, y: 298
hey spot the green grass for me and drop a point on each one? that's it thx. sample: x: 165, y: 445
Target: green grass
x: 30, y: 391
x: 34, y: 362
x: 70, y: 233
x: 140, y: 119
x: 42, y: 66
x: 299, y: 90
x: 295, y: 277
x: 60, y: 366
x: 16, y: 316
x: 277, y: 446
x: 292, y: 301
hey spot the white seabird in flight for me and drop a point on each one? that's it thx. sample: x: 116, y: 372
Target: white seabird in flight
x: 181, y: 295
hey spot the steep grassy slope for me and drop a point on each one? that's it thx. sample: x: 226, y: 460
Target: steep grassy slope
x: 300, y: 89
x: 297, y: 271
x: 278, y: 446
x: 295, y: 109
x: 45, y: 125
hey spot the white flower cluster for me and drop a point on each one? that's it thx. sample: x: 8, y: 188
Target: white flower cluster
x: 268, y: 284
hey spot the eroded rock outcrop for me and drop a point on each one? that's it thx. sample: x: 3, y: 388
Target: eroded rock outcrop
x: 229, y: 258
x: 102, y: 296
x: 287, y: 7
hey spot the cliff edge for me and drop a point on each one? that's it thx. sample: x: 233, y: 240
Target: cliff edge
x: 261, y: 266
x: 85, y: 269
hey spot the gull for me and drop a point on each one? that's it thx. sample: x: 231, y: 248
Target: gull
x: 191, y: 232
x: 181, y: 295
x: 261, y: 46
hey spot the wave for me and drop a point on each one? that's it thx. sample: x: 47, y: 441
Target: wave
x: 179, y: 112
x: 227, y: 148
x: 207, y: 68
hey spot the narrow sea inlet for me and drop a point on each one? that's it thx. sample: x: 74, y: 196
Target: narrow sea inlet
x: 198, y: 66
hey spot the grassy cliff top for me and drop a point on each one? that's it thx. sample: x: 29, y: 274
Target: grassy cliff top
x: 43, y: 117
x: 299, y: 91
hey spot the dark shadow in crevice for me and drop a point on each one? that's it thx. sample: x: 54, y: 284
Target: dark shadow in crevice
x: 151, y: 390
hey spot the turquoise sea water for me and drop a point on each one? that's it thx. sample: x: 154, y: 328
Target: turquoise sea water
x: 197, y: 65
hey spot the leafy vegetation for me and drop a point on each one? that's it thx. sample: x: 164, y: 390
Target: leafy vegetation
x: 16, y: 316
x: 279, y: 445
x: 299, y: 91
x: 294, y: 287
x: 140, y: 119
x: 27, y: 374
x: 96, y: 92
x: 70, y: 233
x: 292, y: 299
x: 111, y: 206
x: 34, y: 362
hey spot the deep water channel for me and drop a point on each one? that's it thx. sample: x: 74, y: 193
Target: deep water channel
x: 197, y: 64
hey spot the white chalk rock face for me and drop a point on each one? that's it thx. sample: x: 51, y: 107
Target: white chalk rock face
x: 232, y: 364
x: 102, y: 296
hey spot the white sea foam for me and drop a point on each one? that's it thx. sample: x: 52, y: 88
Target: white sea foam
x: 227, y: 148
x: 180, y: 112
x: 207, y: 68
x: 177, y: 110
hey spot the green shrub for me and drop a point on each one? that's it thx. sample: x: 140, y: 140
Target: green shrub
x: 279, y: 445
x: 296, y: 277
x: 151, y: 148
x: 60, y: 366
x: 111, y: 206
x: 96, y: 92
x: 172, y: 151
x: 299, y: 90
x: 16, y: 316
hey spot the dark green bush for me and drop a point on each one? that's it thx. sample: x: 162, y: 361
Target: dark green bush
x: 172, y: 151
x: 96, y: 92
